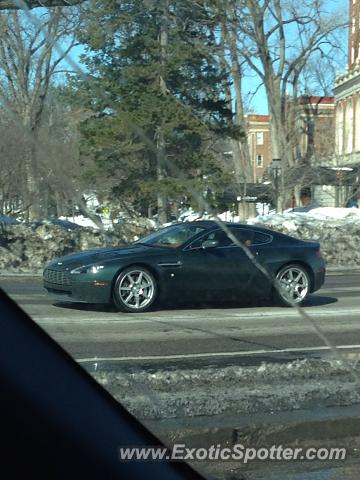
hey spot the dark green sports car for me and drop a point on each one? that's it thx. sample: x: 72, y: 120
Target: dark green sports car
x: 194, y: 260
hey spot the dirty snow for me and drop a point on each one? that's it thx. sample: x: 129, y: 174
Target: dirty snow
x: 232, y: 390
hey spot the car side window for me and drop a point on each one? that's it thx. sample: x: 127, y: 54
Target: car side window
x: 221, y: 237
x: 250, y: 237
x: 245, y: 236
x: 218, y: 235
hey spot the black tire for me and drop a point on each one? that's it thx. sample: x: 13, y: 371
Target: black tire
x: 297, y: 290
x: 144, y: 290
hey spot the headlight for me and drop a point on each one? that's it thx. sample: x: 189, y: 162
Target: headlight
x: 95, y: 268
x: 87, y: 269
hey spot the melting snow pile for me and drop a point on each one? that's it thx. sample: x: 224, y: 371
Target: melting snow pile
x: 337, y: 230
x: 233, y: 390
x: 25, y: 249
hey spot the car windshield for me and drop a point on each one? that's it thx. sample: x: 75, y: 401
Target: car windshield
x: 171, y: 237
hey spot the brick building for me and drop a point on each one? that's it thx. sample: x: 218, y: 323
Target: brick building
x: 316, y: 127
x: 259, y: 144
x: 347, y: 93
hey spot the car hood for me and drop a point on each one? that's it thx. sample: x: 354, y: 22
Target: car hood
x: 96, y: 255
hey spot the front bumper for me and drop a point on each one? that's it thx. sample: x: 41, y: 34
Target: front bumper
x: 65, y: 287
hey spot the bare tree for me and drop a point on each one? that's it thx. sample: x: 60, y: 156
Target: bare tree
x: 231, y: 63
x: 29, y: 59
x: 278, y: 39
x: 232, y: 66
x: 11, y: 154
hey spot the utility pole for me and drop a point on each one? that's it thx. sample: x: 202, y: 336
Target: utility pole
x: 276, y: 173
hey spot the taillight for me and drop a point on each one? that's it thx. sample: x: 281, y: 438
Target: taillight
x: 318, y: 253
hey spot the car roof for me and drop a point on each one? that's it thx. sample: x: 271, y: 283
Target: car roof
x: 213, y: 223
x: 209, y: 224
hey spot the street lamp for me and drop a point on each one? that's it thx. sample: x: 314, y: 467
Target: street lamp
x: 275, y: 169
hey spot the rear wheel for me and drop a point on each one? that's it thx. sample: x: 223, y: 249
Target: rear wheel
x: 293, y: 285
x: 135, y: 290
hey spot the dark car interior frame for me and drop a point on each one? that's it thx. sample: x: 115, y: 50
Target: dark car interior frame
x: 56, y: 421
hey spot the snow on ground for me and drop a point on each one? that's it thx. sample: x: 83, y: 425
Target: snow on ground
x: 233, y: 390
x: 86, y: 222
x: 316, y: 214
x: 334, y: 213
x: 337, y: 230
x: 190, y: 215
x: 289, y: 221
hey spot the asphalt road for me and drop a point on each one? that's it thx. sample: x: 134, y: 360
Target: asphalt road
x: 216, y: 335
x: 201, y: 335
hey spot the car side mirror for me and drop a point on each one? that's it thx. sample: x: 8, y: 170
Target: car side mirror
x: 209, y: 244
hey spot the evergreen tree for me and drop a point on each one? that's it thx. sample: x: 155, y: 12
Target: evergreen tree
x: 159, y: 105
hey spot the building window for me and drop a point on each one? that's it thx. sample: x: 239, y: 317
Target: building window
x: 259, y: 161
x: 259, y: 138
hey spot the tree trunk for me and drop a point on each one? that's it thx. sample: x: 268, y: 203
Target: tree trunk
x: 161, y: 145
x: 279, y: 145
x: 30, y: 168
x: 242, y: 151
x: 160, y: 171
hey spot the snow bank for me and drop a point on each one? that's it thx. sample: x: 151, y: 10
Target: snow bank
x: 81, y: 220
x: 234, y: 390
x: 23, y: 249
x: 337, y: 230
x: 334, y: 213
x: 316, y: 214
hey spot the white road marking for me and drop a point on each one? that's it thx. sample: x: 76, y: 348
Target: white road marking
x: 194, y: 315
x: 27, y: 295
x: 215, y: 354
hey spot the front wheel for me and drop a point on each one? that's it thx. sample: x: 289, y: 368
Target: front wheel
x: 293, y: 283
x: 135, y: 290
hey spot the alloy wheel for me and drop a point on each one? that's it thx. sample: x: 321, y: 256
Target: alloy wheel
x: 294, y: 284
x: 136, y: 289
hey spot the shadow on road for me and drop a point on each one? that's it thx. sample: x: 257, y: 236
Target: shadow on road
x: 319, y: 300
x: 86, y: 307
x: 312, y: 301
